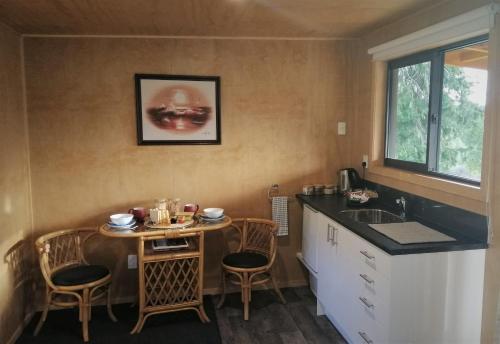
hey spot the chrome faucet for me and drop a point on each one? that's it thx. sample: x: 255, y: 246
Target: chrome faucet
x: 402, y: 202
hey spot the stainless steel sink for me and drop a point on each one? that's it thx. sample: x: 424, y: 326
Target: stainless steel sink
x: 372, y: 216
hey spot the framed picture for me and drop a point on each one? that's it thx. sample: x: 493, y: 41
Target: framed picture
x: 177, y: 109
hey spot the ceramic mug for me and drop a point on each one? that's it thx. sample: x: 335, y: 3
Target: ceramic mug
x: 191, y: 207
x: 139, y: 213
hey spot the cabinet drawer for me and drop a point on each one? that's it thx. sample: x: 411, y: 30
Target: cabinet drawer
x: 365, y: 253
x: 371, y: 285
x: 372, y: 257
x: 370, y: 309
x: 367, y: 331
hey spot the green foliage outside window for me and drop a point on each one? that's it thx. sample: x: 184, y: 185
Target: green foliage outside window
x: 462, y: 121
x: 462, y: 124
x: 412, y: 111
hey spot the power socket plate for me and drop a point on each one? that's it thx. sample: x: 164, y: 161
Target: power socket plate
x: 132, y: 261
x: 365, y: 160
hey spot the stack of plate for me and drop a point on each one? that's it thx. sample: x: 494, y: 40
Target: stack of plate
x: 211, y: 219
x: 130, y: 225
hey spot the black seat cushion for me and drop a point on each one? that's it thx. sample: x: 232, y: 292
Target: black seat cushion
x: 245, y: 260
x: 80, y: 274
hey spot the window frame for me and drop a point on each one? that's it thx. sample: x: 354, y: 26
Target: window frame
x: 436, y: 58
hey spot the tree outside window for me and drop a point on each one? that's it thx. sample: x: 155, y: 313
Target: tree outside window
x: 436, y: 102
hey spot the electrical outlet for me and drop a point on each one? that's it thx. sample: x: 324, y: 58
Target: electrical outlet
x: 132, y: 261
x: 365, y: 160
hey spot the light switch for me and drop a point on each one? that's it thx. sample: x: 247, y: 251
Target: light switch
x: 341, y: 128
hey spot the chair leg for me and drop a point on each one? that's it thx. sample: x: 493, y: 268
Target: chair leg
x: 85, y: 315
x: 277, y: 290
x: 89, y: 310
x: 140, y: 323
x: 249, y: 291
x: 223, y: 296
x: 43, y: 317
x: 108, y: 305
x: 203, y: 315
x: 245, y: 291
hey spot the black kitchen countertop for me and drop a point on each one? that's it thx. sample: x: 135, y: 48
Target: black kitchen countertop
x: 331, y: 205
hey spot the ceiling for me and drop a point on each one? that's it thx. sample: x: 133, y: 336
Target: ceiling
x: 228, y: 18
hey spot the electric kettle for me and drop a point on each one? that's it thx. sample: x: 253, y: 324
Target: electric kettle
x: 348, y: 179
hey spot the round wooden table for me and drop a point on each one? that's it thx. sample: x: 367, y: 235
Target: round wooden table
x: 169, y: 281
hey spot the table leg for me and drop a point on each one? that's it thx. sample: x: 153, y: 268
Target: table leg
x: 140, y: 271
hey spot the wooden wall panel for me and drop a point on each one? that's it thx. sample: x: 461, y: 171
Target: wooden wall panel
x: 369, y: 91
x: 15, y: 208
x: 280, y: 104
x: 369, y: 112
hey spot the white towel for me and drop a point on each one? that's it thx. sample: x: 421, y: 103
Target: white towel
x: 280, y: 214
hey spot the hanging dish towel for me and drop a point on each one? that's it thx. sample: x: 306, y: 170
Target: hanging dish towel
x: 280, y: 214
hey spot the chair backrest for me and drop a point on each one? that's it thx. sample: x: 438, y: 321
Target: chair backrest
x: 61, y: 249
x: 257, y: 235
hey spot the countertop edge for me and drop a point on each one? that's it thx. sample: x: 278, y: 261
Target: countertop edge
x: 381, y: 241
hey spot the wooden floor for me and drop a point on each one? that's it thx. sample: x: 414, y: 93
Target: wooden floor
x: 272, y: 322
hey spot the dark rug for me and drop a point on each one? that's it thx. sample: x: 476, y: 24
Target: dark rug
x: 63, y: 327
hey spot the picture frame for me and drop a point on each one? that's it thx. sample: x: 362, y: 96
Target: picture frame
x: 177, y: 109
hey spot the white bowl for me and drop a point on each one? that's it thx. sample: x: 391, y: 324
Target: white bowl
x: 213, y: 213
x: 121, y: 219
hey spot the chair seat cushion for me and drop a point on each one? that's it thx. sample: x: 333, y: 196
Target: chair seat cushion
x: 245, y: 260
x: 80, y: 274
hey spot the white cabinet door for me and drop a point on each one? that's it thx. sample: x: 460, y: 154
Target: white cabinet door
x: 327, y: 264
x: 343, y: 292
x: 310, y: 229
x: 372, y: 297
x: 334, y: 289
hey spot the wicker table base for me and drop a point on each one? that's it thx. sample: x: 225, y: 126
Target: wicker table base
x: 169, y: 281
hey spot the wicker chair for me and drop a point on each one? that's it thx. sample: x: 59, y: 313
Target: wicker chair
x: 70, y: 280
x: 252, y: 262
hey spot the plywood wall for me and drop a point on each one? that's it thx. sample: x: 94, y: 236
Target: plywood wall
x: 15, y: 213
x: 369, y: 113
x: 280, y: 104
x: 368, y: 117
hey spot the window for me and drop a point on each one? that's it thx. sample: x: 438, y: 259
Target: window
x: 435, y: 113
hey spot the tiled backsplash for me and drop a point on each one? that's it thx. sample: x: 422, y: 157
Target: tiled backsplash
x: 449, y: 219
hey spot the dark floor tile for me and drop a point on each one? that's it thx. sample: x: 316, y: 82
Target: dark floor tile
x: 293, y: 337
x: 272, y: 322
x: 243, y: 333
x: 310, y: 327
x: 63, y: 327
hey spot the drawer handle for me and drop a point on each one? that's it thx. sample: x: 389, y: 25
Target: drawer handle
x: 365, y: 337
x: 366, y: 302
x: 367, y: 255
x: 366, y: 278
x: 311, y: 209
x: 331, y: 234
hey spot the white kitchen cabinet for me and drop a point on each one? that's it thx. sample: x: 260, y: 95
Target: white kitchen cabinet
x: 310, y: 225
x: 333, y: 291
x: 373, y: 297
